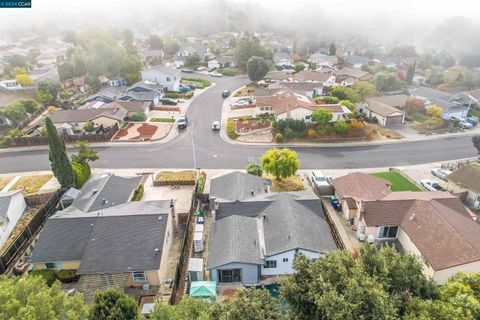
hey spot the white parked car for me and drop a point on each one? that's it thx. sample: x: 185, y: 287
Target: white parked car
x: 201, y: 68
x: 431, y: 185
x: 319, y: 179
x: 216, y: 74
x: 216, y: 125
x: 441, y: 173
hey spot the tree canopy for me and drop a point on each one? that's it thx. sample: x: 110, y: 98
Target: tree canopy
x: 387, y: 82
x: 249, y: 46
x: 281, y: 163
x: 257, y: 68
x: 85, y: 153
x: 113, y: 304
x: 254, y: 169
x: 155, y: 42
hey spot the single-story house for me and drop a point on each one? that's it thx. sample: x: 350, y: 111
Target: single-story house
x: 165, y: 76
x: 465, y: 183
x: 354, y: 188
x: 260, y: 236
x: 355, y: 61
x: 357, y: 74
x: 237, y: 186
x: 132, y: 107
x: 12, y: 207
x: 322, y: 59
x: 106, y: 95
x: 201, y: 50
x: 327, y: 79
x: 396, y: 101
x: 226, y: 61
x: 453, y: 105
x: 309, y: 89
x: 384, y: 113
x: 106, y: 117
x: 282, y: 59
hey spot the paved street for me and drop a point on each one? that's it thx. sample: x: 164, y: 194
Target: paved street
x: 212, y: 152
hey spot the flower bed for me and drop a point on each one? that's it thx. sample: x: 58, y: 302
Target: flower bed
x: 242, y: 106
x: 167, y: 109
x: 251, y: 125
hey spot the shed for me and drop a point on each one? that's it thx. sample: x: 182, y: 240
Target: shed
x: 195, y: 269
x: 203, y: 289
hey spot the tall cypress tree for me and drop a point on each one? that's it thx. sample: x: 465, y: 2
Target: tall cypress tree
x: 333, y: 49
x: 61, y: 167
x: 411, y: 72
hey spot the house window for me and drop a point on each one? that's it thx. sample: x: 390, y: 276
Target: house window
x: 169, y: 79
x: 139, y: 277
x: 388, y: 232
x: 285, y: 259
x: 54, y: 265
x: 270, y: 264
x: 229, y: 275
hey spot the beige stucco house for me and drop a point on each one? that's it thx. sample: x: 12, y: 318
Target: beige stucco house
x: 465, y: 183
x: 106, y: 117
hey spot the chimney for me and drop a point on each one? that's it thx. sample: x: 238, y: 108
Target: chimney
x: 171, y: 203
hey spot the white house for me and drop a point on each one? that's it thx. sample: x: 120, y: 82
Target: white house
x: 165, y: 76
x: 12, y: 207
x: 213, y: 64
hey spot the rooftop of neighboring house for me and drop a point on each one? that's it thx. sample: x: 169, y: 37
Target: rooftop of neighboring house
x: 146, y: 96
x: 5, y: 200
x: 429, y: 93
x: 237, y: 186
x: 108, y: 92
x: 320, y: 57
x: 396, y: 101
x: 145, y: 85
x: 130, y: 106
x: 361, y: 186
x: 381, y: 108
x: 303, y: 88
x: 84, y: 115
x: 279, y: 75
x: 467, y: 177
x: 308, y: 75
x: 354, y: 59
x: 436, y: 222
x: 124, y: 238
x: 354, y: 73
x: 269, y: 225
x: 162, y: 69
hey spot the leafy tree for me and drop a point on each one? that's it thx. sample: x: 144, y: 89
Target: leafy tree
x: 193, y: 61
x: 138, y: 116
x: 48, y: 91
x: 299, y: 67
x: 363, y: 89
x: 327, y: 99
x: 16, y: 60
x: 411, y: 73
x: 434, y: 111
x: 250, y: 303
x: 476, y: 142
x: 18, y: 71
x: 62, y: 170
x: 387, y: 82
x: 89, y: 127
x: 332, y: 50
x: 348, y: 104
x: 322, y: 118
x: 155, y: 42
x: 24, y: 80
x: 171, y: 46
x: 341, y: 128
x: 187, y: 309
x: 85, y: 153
x: 29, y: 105
x: 128, y: 40
x: 113, y: 304
x: 257, y: 68
x: 15, y: 112
x: 345, y: 93
x: 82, y: 173
x: 255, y: 169
x: 404, y: 51
x: 249, y: 46
x: 281, y: 163
x: 30, y: 298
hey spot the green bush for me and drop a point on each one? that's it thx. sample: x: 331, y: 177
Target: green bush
x: 197, y: 82
x: 231, y: 130
x: 408, y: 118
x: 67, y: 276
x: 88, y: 127
x: 162, y: 120
x: 14, y: 133
x: 138, y: 116
x: 47, y: 275
x: 171, y: 95
x: 4, y: 142
x: 186, y: 95
x: 138, y: 193
x: 82, y: 173
x: 201, y: 182
x: 279, y: 138
x: 229, y: 72
x: 255, y: 169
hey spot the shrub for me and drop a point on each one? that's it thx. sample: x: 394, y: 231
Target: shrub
x: 201, y: 182
x: 341, y: 127
x: 137, y: 195
x: 254, y: 169
x: 172, y: 95
x: 279, y: 138
x: 288, y: 133
x: 329, y: 100
x: 4, y: 142
x: 348, y: 104
x: 47, y: 275
x: 162, y: 120
x: 14, y: 133
x: 186, y: 95
x: 67, y: 276
x: 231, y: 129
x: 88, y: 127
x: 82, y: 173
x: 408, y: 118
x: 138, y: 116
x: 177, y: 178
x: 311, y: 133
x: 30, y: 105
x: 51, y: 109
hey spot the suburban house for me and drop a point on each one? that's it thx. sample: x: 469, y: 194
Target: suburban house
x: 108, y: 240
x: 152, y: 56
x: 309, y: 89
x: 131, y: 107
x: 226, y: 61
x: 326, y: 79
x: 237, y: 186
x: 384, y: 113
x: 424, y: 224
x: 355, y: 61
x: 165, y: 76
x: 257, y: 237
x: 456, y: 105
x: 12, y: 207
x: 282, y: 59
x: 144, y: 91
x: 396, y: 101
x: 117, y: 82
x: 74, y: 120
x: 465, y: 184
x: 286, y: 104
x: 321, y: 59
x: 354, y: 188
x: 213, y: 64
x: 106, y: 95
x: 345, y: 75
x: 201, y: 50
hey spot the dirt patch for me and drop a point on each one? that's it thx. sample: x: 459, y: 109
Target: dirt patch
x: 246, y: 126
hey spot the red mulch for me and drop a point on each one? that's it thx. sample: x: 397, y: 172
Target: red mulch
x: 243, y: 126
x: 167, y: 109
x: 123, y: 132
x: 239, y: 106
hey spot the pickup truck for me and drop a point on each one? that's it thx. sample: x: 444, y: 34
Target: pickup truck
x: 432, y: 186
x: 441, y: 173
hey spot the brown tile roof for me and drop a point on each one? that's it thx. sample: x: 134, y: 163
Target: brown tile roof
x: 354, y: 73
x: 467, y: 177
x: 131, y: 106
x: 396, y: 101
x: 361, y: 186
x: 436, y: 222
x: 308, y: 75
x: 382, y: 108
x: 351, y: 203
x: 84, y: 115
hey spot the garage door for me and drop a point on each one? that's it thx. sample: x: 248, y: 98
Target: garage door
x: 393, y: 120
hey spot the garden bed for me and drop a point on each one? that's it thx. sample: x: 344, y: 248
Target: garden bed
x: 251, y: 125
x: 289, y: 184
x: 178, y: 178
x: 160, y: 108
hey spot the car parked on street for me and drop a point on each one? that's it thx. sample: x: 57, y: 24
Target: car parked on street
x: 187, y: 70
x: 431, y: 185
x: 201, y: 68
x: 216, y: 74
x: 182, y: 122
x: 226, y: 93
x: 441, y: 173
x: 216, y: 125
x: 168, y: 102
x: 473, y: 120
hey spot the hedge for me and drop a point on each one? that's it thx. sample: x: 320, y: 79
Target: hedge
x: 231, y: 129
x: 82, y: 173
x: 162, y: 120
x: 47, y: 275
x: 198, y: 82
x: 138, y: 116
x: 201, y: 182
x: 138, y: 193
x: 229, y: 72
x: 178, y: 95
x: 67, y: 276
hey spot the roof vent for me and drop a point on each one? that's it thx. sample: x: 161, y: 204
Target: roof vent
x: 94, y: 190
x: 156, y: 250
x: 412, y: 216
x: 104, y: 201
x: 160, y: 218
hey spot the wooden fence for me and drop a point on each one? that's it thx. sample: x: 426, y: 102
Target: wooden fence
x: 10, y: 255
x: 42, y: 140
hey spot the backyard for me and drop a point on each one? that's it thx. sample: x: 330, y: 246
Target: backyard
x: 399, y: 182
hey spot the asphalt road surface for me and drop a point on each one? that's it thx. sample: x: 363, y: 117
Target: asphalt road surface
x: 211, y: 152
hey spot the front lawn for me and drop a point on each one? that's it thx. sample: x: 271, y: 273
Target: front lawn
x: 172, y: 178
x: 399, y: 183
x: 31, y: 184
x: 197, y: 82
x: 4, y: 181
x: 293, y: 183
x: 162, y: 120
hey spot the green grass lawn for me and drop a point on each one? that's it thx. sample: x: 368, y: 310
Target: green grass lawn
x: 418, y: 117
x: 399, y: 183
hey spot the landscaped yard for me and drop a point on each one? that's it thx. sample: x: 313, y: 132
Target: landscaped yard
x: 164, y: 178
x: 229, y: 71
x: 4, y: 182
x: 399, y: 183
x: 418, y: 117
x: 31, y: 184
x: 197, y: 82
x: 245, y: 126
x: 293, y: 183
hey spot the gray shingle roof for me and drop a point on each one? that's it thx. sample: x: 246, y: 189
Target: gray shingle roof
x: 114, y: 189
x: 168, y: 71
x: 120, y: 239
x: 84, y: 115
x: 237, y: 186
x: 5, y: 199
